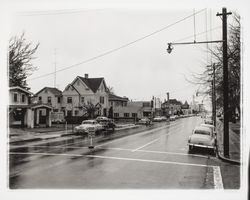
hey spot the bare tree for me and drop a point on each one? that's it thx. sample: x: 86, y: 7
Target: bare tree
x: 21, y: 53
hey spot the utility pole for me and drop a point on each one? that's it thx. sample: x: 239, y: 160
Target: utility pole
x: 225, y: 81
x: 214, y: 96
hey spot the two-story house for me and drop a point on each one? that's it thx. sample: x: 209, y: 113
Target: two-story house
x: 125, y: 109
x: 171, y: 107
x: 49, y: 95
x: 19, y: 100
x: 82, y: 91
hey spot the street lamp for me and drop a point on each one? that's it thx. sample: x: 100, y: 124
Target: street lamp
x: 170, y: 48
x: 225, y: 75
x: 170, y: 45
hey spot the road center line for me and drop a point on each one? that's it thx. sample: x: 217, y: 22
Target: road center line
x: 216, y: 169
x: 218, y: 184
x: 145, y: 145
x: 150, y: 161
x: 143, y: 132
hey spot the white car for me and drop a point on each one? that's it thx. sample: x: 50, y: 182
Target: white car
x: 144, y: 121
x: 163, y: 118
x: 172, y: 118
x: 157, y: 119
x: 88, y: 126
x: 203, y: 137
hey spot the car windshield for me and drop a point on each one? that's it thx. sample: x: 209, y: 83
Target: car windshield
x: 88, y: 122
x: 201, y: 132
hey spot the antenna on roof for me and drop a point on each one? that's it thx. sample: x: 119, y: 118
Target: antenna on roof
x: 55, y: 69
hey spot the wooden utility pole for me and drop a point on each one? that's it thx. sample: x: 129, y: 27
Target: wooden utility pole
x: 214, y: 96
x: 225, y: 81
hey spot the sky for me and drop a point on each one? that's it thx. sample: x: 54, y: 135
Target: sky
x: 139, y: 70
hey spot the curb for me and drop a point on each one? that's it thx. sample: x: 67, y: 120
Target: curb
x: 26, y: 140
x: 220, y: 156
x: 62, y: 135
x: 223, y: 158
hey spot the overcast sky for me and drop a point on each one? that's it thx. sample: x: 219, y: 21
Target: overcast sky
x: 138, y: 71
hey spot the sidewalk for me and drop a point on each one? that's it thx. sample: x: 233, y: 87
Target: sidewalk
x: 234, y: 142
x: 36, y: 134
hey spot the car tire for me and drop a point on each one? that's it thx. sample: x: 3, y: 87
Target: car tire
x: 190, y: 148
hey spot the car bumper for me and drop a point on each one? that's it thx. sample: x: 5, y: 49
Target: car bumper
x: 201, y: 146
x: 81, y: 131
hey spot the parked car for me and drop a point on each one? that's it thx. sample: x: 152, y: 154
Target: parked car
x: 202, y: 137
x: 144, y: 121
x: 212, y: 129
x: 172, y: 118
x: 163, y: 118
x: 106, y: 123
x: 88, y: 126
x: 208, y: 121
x: 157, y: 119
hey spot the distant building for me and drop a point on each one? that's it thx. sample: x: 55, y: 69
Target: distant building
x: 185, y: 108
x: 171, y: 107
x: 131, y: 110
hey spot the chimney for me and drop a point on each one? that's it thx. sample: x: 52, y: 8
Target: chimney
x: 86, y: 75
x: 167, y: 96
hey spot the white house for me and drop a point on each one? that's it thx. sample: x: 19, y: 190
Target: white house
x: 49, y: 95
x: 23, y: 112
x: 84, y: 90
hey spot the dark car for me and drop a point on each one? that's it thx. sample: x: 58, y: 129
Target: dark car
x: 106, y: 123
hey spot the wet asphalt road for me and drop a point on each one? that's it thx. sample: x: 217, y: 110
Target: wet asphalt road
x: 144, y: 158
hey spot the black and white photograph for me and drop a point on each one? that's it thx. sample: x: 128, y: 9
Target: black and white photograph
x: 113, y: 98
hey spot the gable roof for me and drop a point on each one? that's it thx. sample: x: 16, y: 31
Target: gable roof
x: 53, y: 90
x: 93, y: 83
x: 113, y: 97
x: 20, y: 88
x: 173, y: 102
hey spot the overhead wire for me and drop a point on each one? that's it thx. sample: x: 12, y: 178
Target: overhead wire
x: 201, y: 33
x: 118, y: 48
x: 55, y: 12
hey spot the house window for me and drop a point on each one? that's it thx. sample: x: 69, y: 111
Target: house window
x: 125, y: 104
x: 116, y: 114
x: 49, y: 99
x: 69, y: 100
x: 55, y: 110
x: 146, y: 104
x: 23, y: 98
x: 134, y: 115
x: 102, y: 100
x: 69, y: 113
x: 15, y: 97
x: 76, y: 112
x: 82, y: 99
x: 58, y: 99
x: 40, y: 98
x: 126, y: 114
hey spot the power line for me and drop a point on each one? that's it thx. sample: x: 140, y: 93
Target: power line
x: 201, y: 33
x: 118, y: 48
x: 54, y: 12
